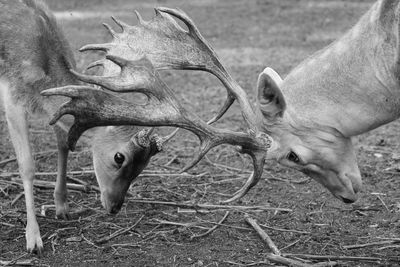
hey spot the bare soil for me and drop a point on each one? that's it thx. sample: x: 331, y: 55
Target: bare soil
x: 248, y: 35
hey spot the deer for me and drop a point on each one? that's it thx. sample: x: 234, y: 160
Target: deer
x: 139, y: 52
x: 305, y: 121
x: 348, y: 88
x: 34, y: 56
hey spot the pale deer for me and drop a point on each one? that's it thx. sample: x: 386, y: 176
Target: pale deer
x: 346, y: 89
x: 34, y: 55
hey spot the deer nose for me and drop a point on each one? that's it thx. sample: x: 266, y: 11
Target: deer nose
x: 111, y: 203
x: 356, y: 181
x: 115, y: 209
x: 348, y: 201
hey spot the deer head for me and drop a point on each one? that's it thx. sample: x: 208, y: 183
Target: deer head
x: 140, y: 51
x: 118, y: 161
x: 306, y: 144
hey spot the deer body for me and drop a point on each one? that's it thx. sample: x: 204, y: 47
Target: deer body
x: 34, y: 55
x: 348, y: 88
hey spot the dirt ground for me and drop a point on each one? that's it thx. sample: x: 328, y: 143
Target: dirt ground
x: 248, y: 36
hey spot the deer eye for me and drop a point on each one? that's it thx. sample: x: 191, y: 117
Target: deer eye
x: 119, y: 158
x: 293, y: 157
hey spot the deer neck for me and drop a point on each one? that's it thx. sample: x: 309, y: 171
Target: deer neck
x: 350, y: 85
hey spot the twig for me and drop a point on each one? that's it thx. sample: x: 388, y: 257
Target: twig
x: 90, y: 242
x: 3, y: 190
x: 332, y: 257
x: 381, y: 200
x: 264, y: 236
x: 78, y: 173
x: 212, y: 228
x: 132, y: 245
x: 7, y: 224
x: 166, y: 174
x: 6, y: 161
x: 171, y: 160
x: 118, y: 233
x: 15, y: 261
x: 207, y: 206
x: 275, y: 256
x: 30, y: 262
x: 284, y: 230
x: 386, y: 242
x: 226, y: 167
x: 48, y: 184
x: 17, y: 198
x: 193, y: 224
x: 286, y: 261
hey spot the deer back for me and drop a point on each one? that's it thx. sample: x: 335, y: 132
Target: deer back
x: 34, y: 53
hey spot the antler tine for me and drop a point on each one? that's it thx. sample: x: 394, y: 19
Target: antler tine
x: 120, y: 23
x: 97, y: 63
x: 180, y: 14
x: 125, y: 80
x: 228, y: 103
x: 258, y: 167
x: 204, y: 148
x: 110, y: 30
x: 139, y: 17
x: 101, y: 47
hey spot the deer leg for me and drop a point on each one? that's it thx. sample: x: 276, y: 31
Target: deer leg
x: 18, y: 128
x: 60, y: 191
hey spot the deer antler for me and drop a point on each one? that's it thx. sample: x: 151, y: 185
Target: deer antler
x: 160, y: 44
x: 168, y: 46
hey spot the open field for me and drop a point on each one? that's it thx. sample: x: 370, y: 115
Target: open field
x: 248, y: 36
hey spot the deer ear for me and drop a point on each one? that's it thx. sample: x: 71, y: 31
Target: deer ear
x: 269, y: 96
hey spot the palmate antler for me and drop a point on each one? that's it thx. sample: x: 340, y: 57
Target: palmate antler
x: 139, y: 50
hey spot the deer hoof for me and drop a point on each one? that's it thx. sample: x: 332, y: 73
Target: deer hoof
x: 34, y: 242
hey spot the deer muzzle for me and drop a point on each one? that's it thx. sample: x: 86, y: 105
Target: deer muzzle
x: 112, y: 202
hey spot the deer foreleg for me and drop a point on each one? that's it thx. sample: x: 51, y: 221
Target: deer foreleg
x: 18, y: 128
x: 60, y: 191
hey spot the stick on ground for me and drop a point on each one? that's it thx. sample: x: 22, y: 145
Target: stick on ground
x: 117, y: 233
x: 212, y: 229
x: 264, y: 236
x: 207, y: 206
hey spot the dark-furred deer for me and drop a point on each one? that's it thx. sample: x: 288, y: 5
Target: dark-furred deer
x: 34, y: 55
x: 140, y: 51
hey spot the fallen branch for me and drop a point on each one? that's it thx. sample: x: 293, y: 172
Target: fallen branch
x: 385, y: 242
x: 30, y: 262
x: 275, y: 256
x: 18, y: 262
x: 6, y: 161
x: 264, y: 236
x: 18, y: 197
x: 284, y: 230
x: 48, y: 184
x: 78, y: 173
x: 117, y: 233
x: 332, y: 257
x: 212, y: 229
x: 207, y: 206
x: 286, y: 261
x: 187, y: 225
x: 7, y: 224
